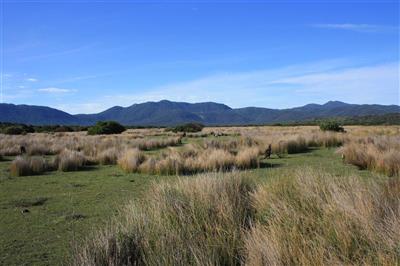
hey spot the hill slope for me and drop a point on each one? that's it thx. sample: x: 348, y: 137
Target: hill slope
x: 166, y: 113
x: 35, y: 115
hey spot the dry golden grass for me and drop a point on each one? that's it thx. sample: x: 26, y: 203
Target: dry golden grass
x: 131, y: 159
x: 191, y: 222
x: 108, y: 156
x: 214, y: 153
x: 379, y: 153
x: 316, y: 218
x: 189, y: 161
x: 69, y: 160
x: 304, y: 218
x: 24, y: 166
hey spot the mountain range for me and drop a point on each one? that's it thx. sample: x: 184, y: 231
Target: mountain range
x: 168, y: 113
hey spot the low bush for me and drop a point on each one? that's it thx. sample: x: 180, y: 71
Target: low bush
x: 331, y: 126
x: 63, y: 129
x: 14, y: 130
x: 106, y: 127
x: 190, y: 127
x: 18, y: 129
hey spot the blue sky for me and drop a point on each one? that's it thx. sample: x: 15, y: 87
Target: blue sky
x: 84, y: 57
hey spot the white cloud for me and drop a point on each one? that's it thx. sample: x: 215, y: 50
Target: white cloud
x: 276, y: 88
x: 32, y: 79
x: 54, y: 90
x: 358, y: 27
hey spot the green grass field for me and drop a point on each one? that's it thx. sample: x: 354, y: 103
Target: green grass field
x: 66, y: 207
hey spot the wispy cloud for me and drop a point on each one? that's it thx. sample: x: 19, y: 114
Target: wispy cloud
x: 32, y: 79
x: 284, y: 87
x: 358, y: 27
x: 57, y: 53
x: 54, y: 90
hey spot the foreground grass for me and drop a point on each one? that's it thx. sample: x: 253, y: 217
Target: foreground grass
x: 62, y: 207
x: 79, y: 202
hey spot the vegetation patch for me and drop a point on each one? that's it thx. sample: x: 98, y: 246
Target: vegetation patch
x: 25, y: 166
x: 190, y: 127
x: 331, y: 126
x: 303, y: 218
x: 106, y: 128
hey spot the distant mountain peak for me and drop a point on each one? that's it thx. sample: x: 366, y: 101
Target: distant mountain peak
x: 335, y: 104
x: 167, y: 113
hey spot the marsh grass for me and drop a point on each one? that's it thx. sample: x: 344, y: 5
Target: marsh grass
x: 380, y: 153
x: 191, y: 222
x: 131, y: 159
x: 69, y: 160
x: 25, y: 166
x: 306, y: 217
x: 317, y: 218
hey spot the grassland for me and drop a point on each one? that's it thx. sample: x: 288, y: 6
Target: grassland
x: 63, y: 208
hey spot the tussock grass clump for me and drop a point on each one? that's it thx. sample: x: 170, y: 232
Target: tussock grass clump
x: 25, y: 166
x: 131, y: 159
x: 317, y: 218
x: 291, y: 146
x: 381, y: 154
x: 151, y: 144
x: 296, y: 146
x: 188, y: 161
x: 247, y: 158
x: 305, y: 218
x: 39, y: 149
x: 215, y: 160
x: 69, y: 160
x: 191, y: 222
x: 108, y: 156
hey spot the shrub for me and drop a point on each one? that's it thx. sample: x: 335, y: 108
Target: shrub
x: 24, y: 166
x: 106, y: 127
x: 130, y: 160
x: 18, y: 130
x: 14, y: 130
x: 331, y: 126
x: 63, y: 129
x: 190, y: 127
